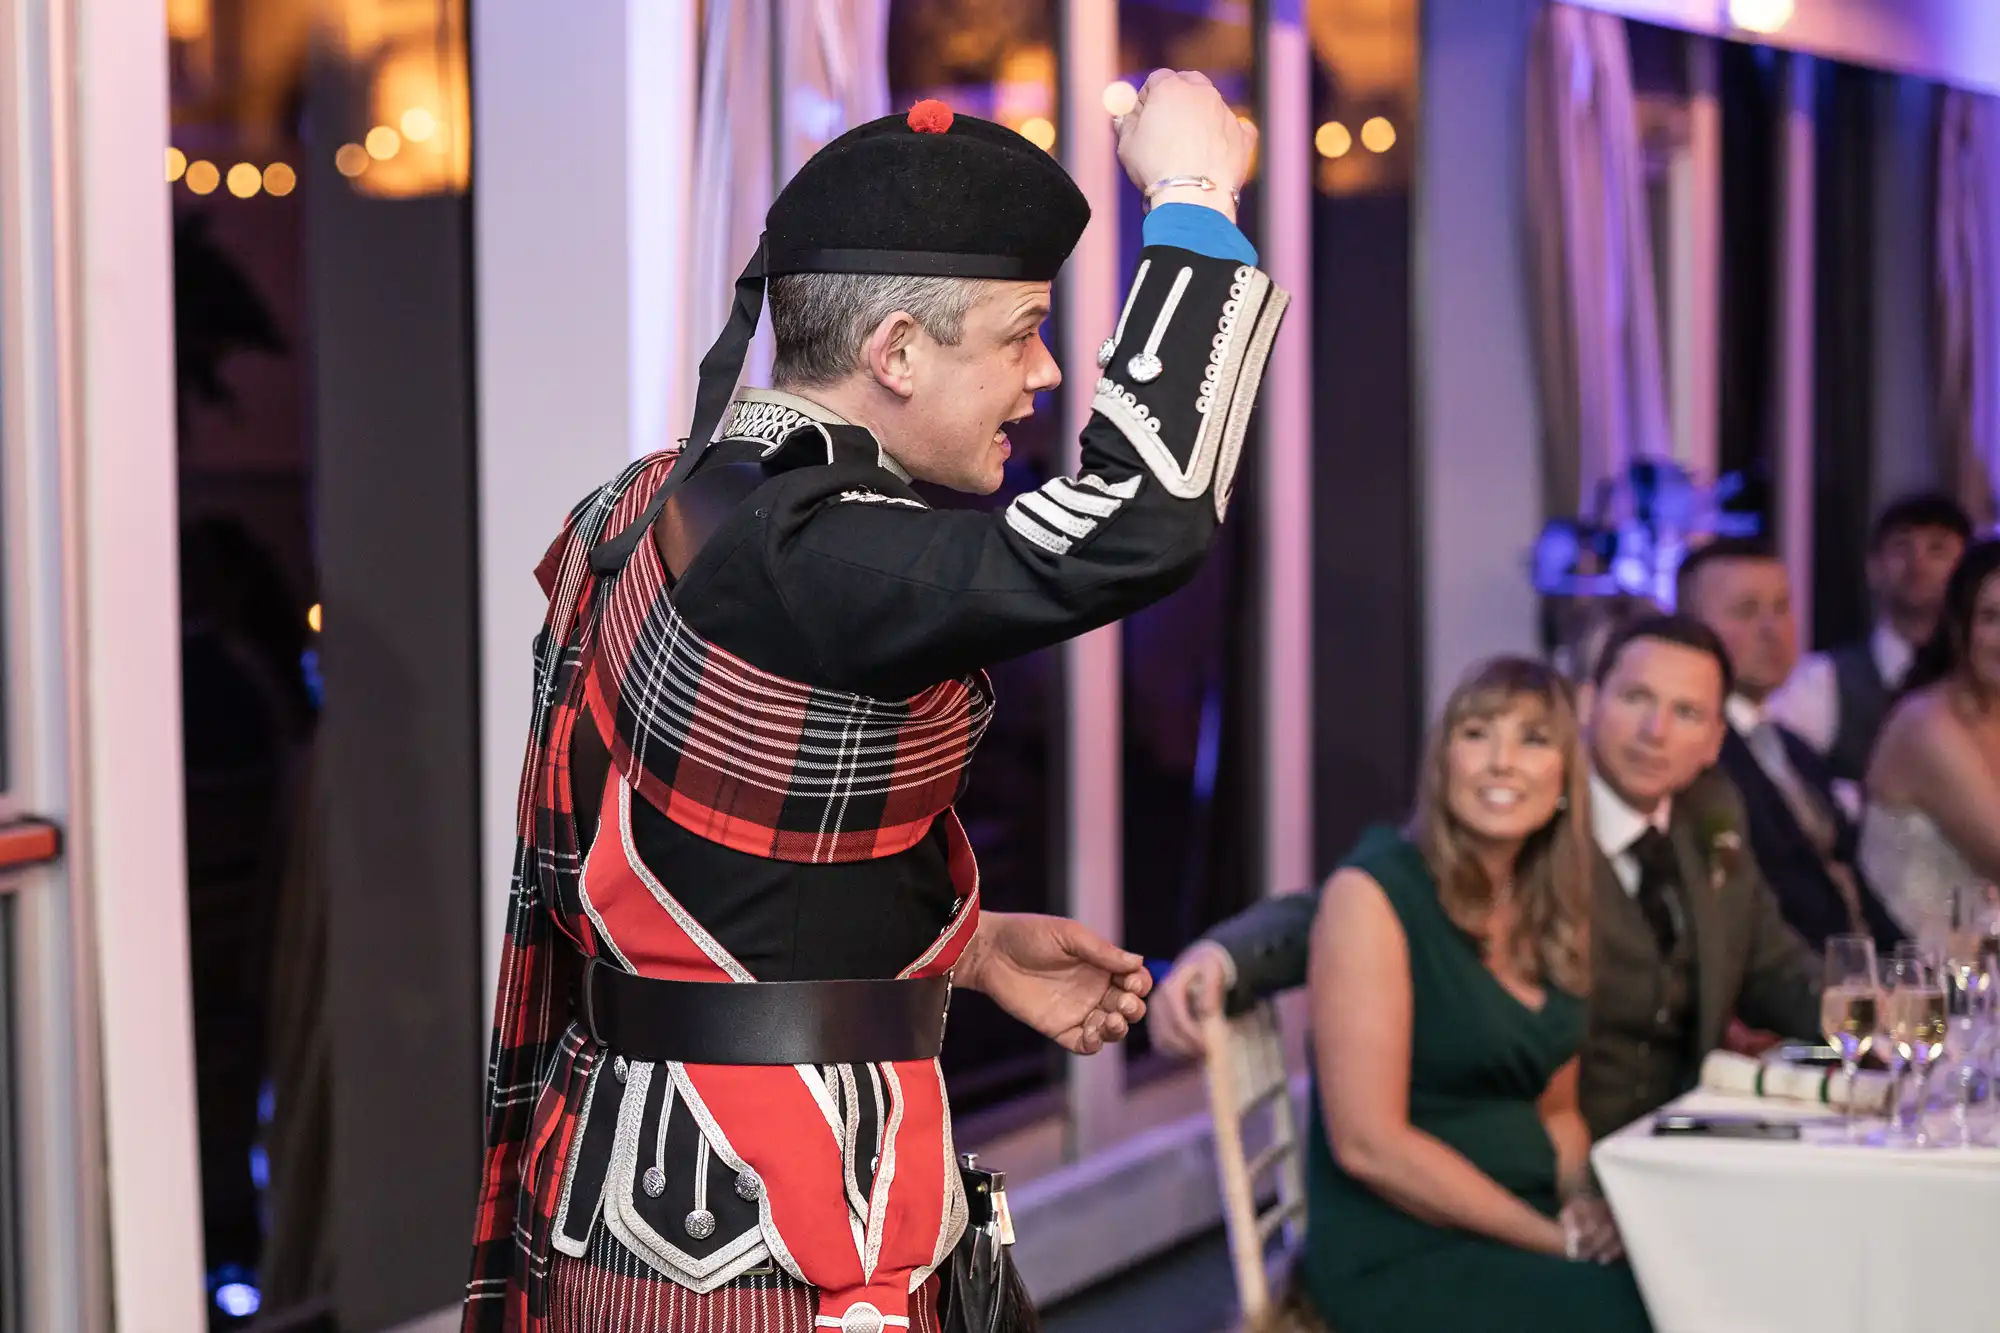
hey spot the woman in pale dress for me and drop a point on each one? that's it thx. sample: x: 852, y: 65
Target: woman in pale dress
x: 1930, y: 839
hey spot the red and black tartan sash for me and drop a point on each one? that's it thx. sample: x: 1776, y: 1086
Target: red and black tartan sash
x: 762, y: 764
x: 751, y: 760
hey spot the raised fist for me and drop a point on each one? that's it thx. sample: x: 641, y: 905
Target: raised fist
x: 1181, y: 127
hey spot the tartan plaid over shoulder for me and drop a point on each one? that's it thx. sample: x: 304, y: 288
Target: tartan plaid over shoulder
x: 754, y: 761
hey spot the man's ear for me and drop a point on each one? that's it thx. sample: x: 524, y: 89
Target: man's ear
x: 889, y: 353
x: 1721, y: 734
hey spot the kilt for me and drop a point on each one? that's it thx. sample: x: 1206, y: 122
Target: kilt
x: 611, y: 1290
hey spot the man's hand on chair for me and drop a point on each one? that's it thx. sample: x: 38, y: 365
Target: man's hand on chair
x: 1193, y: 989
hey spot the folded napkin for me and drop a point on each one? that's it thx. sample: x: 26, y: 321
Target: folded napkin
x: 1725, y: 1071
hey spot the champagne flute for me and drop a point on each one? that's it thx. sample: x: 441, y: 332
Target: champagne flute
x: 1849, y: 1006
x: 1986, y: 918
x: 1914, y: 1020
x: 1972, y: 994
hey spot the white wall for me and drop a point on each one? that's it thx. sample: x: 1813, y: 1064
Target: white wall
x: 1478, y: 424
x: 582, y: 118
x: 127, y: 846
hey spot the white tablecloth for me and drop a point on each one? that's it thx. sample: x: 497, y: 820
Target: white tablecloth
x: 1750, y: 1236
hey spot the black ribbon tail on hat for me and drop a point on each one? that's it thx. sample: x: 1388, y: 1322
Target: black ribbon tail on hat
x: 720, y: 370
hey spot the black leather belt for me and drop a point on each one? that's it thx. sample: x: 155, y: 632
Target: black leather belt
x: 765, y: 1022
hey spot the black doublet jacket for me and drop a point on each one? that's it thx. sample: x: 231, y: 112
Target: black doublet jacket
x: 827, y: 568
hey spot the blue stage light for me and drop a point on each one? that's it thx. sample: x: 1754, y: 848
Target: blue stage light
x: 238, y: 1300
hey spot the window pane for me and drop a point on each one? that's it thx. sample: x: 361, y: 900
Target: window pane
x: 318, y: 175
x: 997, y: 60
x: 1367, y: 658
x: 1191, y: 761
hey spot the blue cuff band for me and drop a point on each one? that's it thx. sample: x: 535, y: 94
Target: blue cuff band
x: 1202, y: 230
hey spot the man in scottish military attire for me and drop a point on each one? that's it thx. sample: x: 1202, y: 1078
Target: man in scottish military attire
x: 742, y: 898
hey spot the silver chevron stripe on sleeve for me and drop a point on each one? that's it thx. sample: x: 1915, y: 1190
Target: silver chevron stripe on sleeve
x: 1020, y: 520
x: 1072, y: 496
x: 1053, y: 514
x: 1064, y: 512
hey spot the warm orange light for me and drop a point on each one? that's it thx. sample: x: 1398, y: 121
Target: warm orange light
x: 418, y: 124
x: 280, y: 179
x: 1039, y: 131
x: 187, y: 20
x: 203, y: 177
x: 313, y: 618
x: 245, y: 180
x: 177, y: 165
x: 1120, y: 97
x: 351, y: 160
x: 1333, y: 139
x: 383, y: 143
x: 1378, y: 135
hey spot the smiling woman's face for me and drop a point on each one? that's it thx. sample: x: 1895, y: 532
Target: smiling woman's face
x: 1504, y: 774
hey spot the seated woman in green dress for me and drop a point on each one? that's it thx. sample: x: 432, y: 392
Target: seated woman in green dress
x: 1450, y: 962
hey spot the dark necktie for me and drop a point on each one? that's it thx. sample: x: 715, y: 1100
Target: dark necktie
x: 1659, y: 886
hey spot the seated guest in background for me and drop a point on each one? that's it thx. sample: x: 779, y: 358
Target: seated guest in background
x: 1684, y: 929
x: 1804, y: 841
x: 1933, y: 821
x: 1449, y: 967
x: 1590, y: 623
x: 1686, y: 932
x: 1836, y: 701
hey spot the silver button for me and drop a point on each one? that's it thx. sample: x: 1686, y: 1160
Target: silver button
x: 619, y: 1068
x: 700, y: 1224
x: 861, y: 1317
x: 1105, y: 351
x: 748, y: 1186
x: 1145, y: 367
x: 654, y: 1182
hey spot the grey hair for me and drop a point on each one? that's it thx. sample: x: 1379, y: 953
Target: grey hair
x: 821, y: 321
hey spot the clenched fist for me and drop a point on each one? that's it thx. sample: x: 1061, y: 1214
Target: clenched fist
x: 1181, y: 127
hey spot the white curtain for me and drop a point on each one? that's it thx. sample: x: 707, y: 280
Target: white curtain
x: 1602, y: 378
x: 834, y: 55
x: 1966, y: 294
x: 836, y: 58
x: 732, y: 170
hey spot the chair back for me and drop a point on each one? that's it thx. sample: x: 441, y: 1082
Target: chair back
x: 1259, y: 1155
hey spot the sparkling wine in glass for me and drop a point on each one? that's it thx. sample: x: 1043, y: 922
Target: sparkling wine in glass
x: 1849, y: 1007
x: 1969, y: 985
x: 1915, y: 1018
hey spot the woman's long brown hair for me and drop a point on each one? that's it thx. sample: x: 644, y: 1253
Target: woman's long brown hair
x: 1552, y: 874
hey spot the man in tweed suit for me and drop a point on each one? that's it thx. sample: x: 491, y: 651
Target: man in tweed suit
x: 1685, y: 933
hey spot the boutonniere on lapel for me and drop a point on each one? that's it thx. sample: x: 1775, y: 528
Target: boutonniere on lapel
x: 1725, y: 850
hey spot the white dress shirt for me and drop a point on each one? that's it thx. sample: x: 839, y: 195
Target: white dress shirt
x: 1616, y: 826
x: 1745, y: 715
x: 1808, y: 704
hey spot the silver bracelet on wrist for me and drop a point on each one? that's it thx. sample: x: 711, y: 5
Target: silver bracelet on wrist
x: 1188, y: 183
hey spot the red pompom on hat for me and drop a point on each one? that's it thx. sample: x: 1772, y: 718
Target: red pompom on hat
x: 930, y: 116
